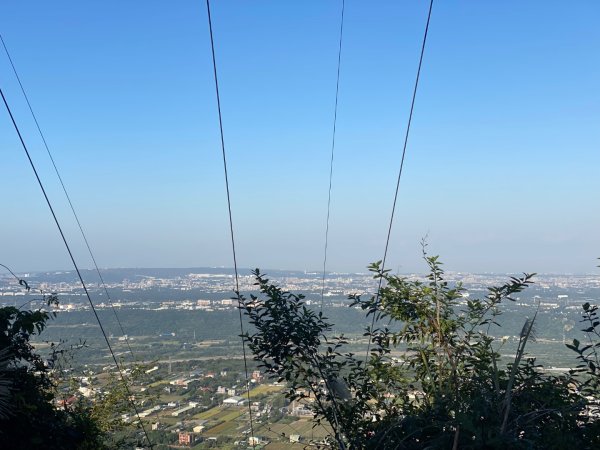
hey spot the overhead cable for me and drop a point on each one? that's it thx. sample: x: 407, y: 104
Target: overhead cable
x: 68, y: 248
x: 235, y: 267
x: 66, y: 194
x: 335, y: 110
x: 410, y: 116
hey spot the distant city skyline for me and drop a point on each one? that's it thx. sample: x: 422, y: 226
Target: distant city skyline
x: 502, y: 163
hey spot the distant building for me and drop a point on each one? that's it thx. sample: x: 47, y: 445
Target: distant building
x: 154, y: 369
x: 172, y: 334
x: 147, y: 412
x: 182, y: 410
x: 255, y: 441
x: 234, y: 401
x: 256, y: 375
x: 186, y: 438
x: 63, y: 403
x: 295, y: 438
x: 301, y: 411
x: 85, y: 391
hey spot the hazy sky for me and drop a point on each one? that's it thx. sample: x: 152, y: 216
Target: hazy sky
x: 503, y: 163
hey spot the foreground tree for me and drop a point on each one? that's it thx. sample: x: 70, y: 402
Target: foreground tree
x: 30, y: 417
x: 448, y: 390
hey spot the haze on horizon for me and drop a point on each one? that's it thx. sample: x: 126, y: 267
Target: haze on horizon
x: 502, y: 163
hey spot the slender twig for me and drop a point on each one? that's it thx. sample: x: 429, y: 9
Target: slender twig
x: 525, y: 334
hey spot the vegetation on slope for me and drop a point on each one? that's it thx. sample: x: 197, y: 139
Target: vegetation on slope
x: 449, y: 390
x: 30, y: 414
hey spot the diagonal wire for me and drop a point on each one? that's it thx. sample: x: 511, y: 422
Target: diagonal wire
x: 64, y: 239
x: 337, y: 90
x: 66, y: 193
x: 410, y: 115
x: 237, y: 282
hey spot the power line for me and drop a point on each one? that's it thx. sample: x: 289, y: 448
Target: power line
x: 237, y: 282
x: 66, y: 193
x: 335, y: 109
x: 410, y: 115
x: 64, y: 239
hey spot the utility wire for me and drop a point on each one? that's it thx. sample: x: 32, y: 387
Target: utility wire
x: 410, y: 115
x: 237, y: 282
x: 335, y: 109
x: 64, y: 239
x: 66, y: 195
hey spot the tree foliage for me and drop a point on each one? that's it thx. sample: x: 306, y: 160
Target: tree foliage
x: 30, y: 417
x: 448, y: 388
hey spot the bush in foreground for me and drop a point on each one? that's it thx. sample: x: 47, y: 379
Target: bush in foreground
x: 448, y: 390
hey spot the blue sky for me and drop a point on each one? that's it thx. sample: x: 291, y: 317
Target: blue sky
x: 502, y: 164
